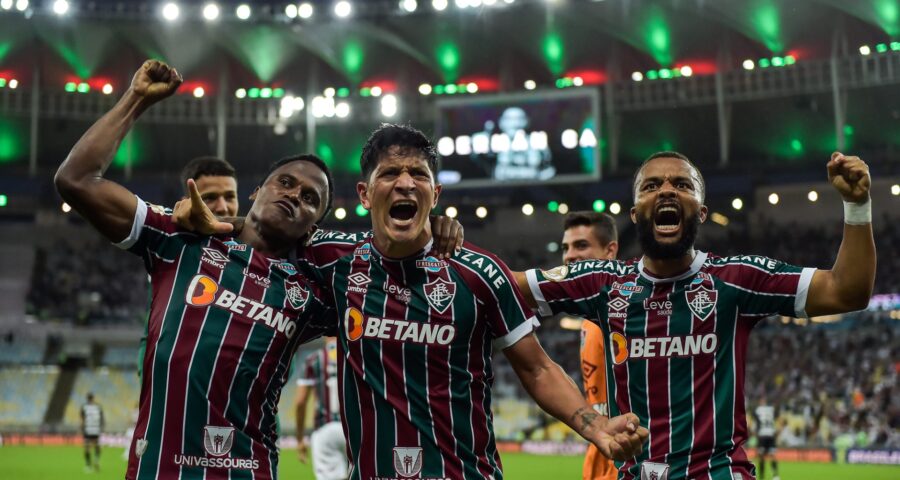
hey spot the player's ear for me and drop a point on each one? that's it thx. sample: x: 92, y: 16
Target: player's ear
x: 254, y: 194
x: 437, y: 194
x: 703, y: 213
x: 633, y: 213
x: 612, y: 250
x: 362, y: 189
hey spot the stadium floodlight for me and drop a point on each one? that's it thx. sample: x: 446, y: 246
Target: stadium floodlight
x: 895, y: 189
x: 528, y: 209
x: 4, y: 200
x: 865, y: 50
x: 6, y: 4
x: 599, y: 205
x: 472, y: 87
x: 210, y: 12
x: 199, y: 92
x: 22, y: 5
x: 461, y: 3
x: 481, y: 212
x: 577, y: 81
x: 170, y: 11
x: 240, y: 93
x: 342, y: 110
x: 305, y: 10
x: 451, y: 211
x: 748, y: 64
x: 107, y: 89
x: 773, y: 198
x: 446, y: 147
x: 530, y: 84
x: 812, y: 195
x: 615, y: 208
x: 376, y: 91
x: 637, y: 76
x: 343, y: 9
x: 563, y: 208
x: 389, y: 105
x: 489, y: 3
x: 425, y: 89
x: 474, y: 3
x: 243, y: 11
x: 13, y: 83
x: 687, y: 71
x: 340, y: 213
x: 737, y: 204
x: 409, y: 5
x: 439, y: 5
x: 60, y: 7
x: 290, y: 10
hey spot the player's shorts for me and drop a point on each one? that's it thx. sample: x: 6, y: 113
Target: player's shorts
x: 91, y: 438
x: 766, y: 445
x: 329, y: 452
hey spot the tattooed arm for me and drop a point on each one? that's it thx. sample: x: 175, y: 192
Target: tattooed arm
x: 619, y: 438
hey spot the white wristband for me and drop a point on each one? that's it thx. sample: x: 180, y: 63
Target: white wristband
x: 858, y: 213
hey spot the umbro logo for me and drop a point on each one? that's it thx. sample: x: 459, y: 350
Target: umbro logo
x: 618, y: 304
x: 358, y: 282
x: 214, y: 257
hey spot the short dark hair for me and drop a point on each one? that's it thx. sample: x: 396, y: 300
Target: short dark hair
x: 206, y: 166
x: 307, y: 157
x: 393, y: 135
x: 669, y: 154
x: 604, y: 225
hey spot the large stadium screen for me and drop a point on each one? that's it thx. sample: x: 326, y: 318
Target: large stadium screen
x: 519, y: 139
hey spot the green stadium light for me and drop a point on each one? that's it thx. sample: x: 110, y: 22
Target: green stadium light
x: 848, y: 129
x: 253, y: 92
x: 448, y: 58
x: 265, y: 92
x: 83, y: 87
x: 797, y: 145
x: 553, y: 206
x: 665, y: 73
x: 278, y: 92
x: 2, y: 82
x: 652, y: 75
x: 881, y: 48
x: 599, y: 205
x: 450, y: 88
x: 361, y: 210
x: 553, y: 52
x: 777, y: 62
x: 764, y: 63
x: 343, y: 92
x: 3, y: 200
x: 895, y: 46
x: 365, y: 92
x: 439, y: 89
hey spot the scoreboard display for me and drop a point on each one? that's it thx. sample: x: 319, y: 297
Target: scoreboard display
x: 519, y: 139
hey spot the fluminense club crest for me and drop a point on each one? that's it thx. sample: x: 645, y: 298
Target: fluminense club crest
x: 218, y: 440
x: 440, y: 294
x: 295, y: 296
x: 701, y: 300
x: 408, y: 461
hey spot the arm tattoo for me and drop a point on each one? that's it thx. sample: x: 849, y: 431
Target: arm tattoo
x: 584, y: 418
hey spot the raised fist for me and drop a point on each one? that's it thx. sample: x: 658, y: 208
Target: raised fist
x: 155, y: 81
x: 850, y: 177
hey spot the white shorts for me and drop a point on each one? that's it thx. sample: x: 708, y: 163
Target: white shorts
x: 329, y: 452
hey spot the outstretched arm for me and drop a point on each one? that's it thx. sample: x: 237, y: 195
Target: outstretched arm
x: 108, y: 206
x: 524, y: 288
x: 303, y: 393
x: 849, y: 284
x: 619, y: 438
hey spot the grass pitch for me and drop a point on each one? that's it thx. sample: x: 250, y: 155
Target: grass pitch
x: 67, y: 462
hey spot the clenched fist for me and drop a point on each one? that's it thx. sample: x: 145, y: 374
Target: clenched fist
x: 155, y: 81
x: 850, y: 177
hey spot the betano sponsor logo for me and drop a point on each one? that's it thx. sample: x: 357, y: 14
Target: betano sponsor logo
x: 204, y: 291
x: 357, y: 326
x: 640, y: 348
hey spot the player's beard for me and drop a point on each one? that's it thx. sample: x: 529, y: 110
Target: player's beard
x: 667, y: 251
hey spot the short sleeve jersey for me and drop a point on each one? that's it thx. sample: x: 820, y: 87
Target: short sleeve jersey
x: 320, y: 373
x: 676, y: 349
x: 92, y: 418
x: 415, y: 342
x: 225, y: 321
x: 593, y: 374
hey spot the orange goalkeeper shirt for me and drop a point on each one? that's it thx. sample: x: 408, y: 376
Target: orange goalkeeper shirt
x: 593, y: 373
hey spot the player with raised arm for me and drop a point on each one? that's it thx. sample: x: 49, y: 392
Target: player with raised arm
x: 92, y: 422
x: 227, y: 312
x: 592, y: 236
x: 319, y: 380
x: 676, y: 323
x: 417, y: 334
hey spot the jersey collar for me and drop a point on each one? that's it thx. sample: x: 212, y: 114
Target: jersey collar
x: 699, y: 260
x: 421, y: 253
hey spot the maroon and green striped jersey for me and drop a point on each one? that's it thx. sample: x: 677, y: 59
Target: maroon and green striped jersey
x: 676, y: 350
x: 415, y: 344
x: 224, y: 324
x: 319, y: 372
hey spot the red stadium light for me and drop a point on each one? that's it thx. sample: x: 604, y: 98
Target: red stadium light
x: 485, y: 84
x: 699, y: 66
x: 588, y: 77
x: 386, y: 86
